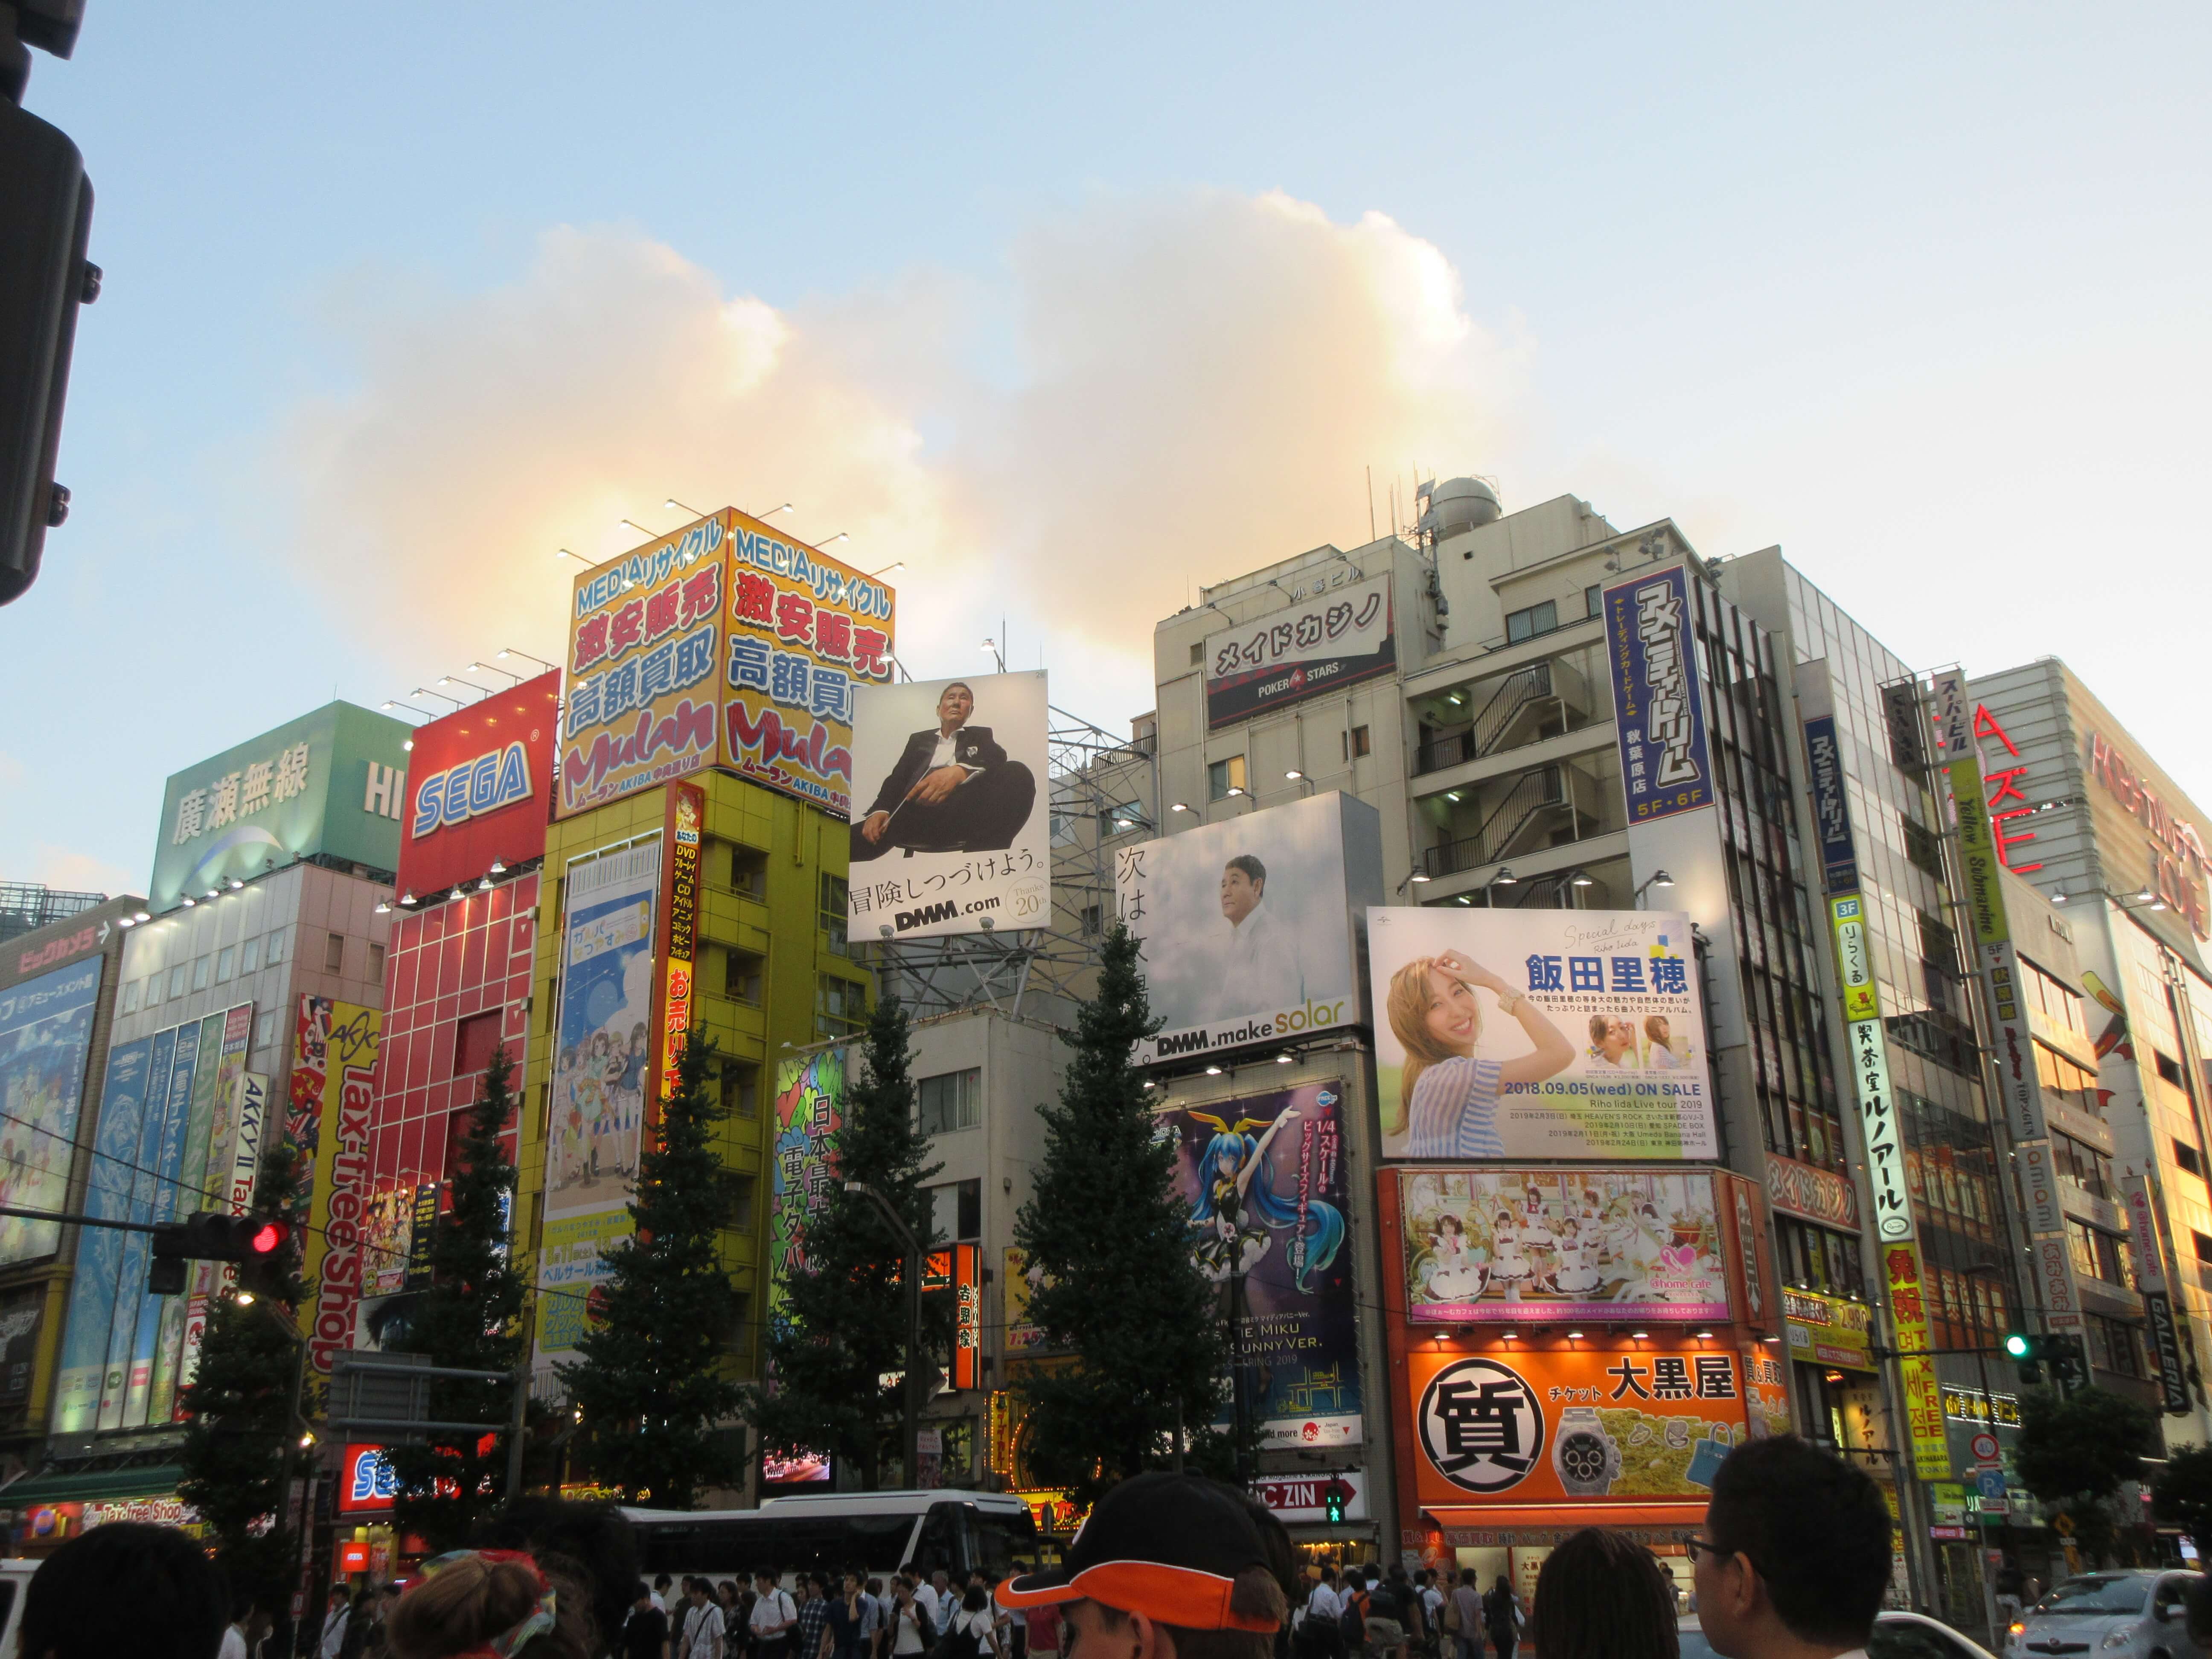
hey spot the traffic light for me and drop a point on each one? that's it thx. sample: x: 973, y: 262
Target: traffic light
x: 256, y: 1243
x: 45, y: 228
x: 2064, y: 1355
x: 1334, y: 1496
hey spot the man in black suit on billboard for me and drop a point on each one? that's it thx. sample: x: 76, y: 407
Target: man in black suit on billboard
x: 952, y: 791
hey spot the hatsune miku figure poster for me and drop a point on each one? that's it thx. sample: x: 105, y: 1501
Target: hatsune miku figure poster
x: 1264, y: 1178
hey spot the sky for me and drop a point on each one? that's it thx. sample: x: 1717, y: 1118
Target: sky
x: 1074, y: 310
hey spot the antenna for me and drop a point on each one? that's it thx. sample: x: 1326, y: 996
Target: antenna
x: 1371, y: 503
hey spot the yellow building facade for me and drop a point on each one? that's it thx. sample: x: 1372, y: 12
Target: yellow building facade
x: 770, y: 975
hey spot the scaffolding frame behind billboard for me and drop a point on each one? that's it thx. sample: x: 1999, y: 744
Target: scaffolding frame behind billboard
x: 1102, y: 790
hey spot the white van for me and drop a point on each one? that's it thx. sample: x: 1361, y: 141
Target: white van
x: 876, y: 1532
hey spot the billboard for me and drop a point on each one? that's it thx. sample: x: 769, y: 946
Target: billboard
x: 1494, y: 1246
x: 46, y: 1040
x: 1665, y: 764
x: 1333, y: 640
x: 1573, y: 1426
x: 335, y: 1259
x: 1264, y: 1178
x: 332, y: 782
x: 480, y: 787
x: 603, y: 1040
x: 723, y: 644
x: 952, y: 838
x: 1538, y: 1034
x: 1247, y: 928
x: 810, y: 1107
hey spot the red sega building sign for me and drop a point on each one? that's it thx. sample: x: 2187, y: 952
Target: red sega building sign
x: 479, y: 786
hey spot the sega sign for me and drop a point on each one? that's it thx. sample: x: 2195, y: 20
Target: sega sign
x: 365, y: 1480
x: 481, y: 781
x: 496, y: 778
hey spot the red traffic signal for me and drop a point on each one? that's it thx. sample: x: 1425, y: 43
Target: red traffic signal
x: 256, y: 1242
x: 269, y: 1237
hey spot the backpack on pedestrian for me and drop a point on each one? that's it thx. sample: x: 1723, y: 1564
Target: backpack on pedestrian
x: 1351, y: 1623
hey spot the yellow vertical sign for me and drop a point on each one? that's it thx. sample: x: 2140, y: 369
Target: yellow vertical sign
x: 1923, y: 1394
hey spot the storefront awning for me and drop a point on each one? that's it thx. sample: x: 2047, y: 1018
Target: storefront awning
x: 1564, y: 1517
x: 100, y: 1485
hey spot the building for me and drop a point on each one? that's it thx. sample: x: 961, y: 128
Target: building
x: 2079, y: 811
x: 59, y: 985
x: 272, y: 872
x: 27, y: 906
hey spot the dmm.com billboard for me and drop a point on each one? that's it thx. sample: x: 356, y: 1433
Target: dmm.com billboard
x: 722, y: 645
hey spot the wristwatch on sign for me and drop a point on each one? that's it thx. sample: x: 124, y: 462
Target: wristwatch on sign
x: 1584, y: 1455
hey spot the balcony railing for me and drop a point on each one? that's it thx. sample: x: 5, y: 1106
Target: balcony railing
x: 1541, y: 791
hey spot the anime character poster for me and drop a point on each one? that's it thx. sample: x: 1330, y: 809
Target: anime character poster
x: 1493, y: 1246
x: 810, y: 1107
x: 607, y: 1018
x: 1264, y: 1176
x: 45, y: 1035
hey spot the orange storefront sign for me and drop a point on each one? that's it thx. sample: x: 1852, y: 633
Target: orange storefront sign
x: 1502, y: 1438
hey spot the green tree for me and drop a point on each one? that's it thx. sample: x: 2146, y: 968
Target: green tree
x: 2183, y: 1495
x: 841, y: 1326
x: 469, y: 1319
x: 239, y: 1421
x: 652, y: 1382
x: 2073, y: 1453
x: 1120, y: 1289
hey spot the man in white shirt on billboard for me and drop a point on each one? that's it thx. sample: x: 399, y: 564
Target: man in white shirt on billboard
x: 1262, y: 963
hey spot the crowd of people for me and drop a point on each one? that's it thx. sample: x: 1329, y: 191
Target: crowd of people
x: 1792, y: 1563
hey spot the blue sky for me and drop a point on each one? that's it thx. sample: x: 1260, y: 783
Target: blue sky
x: 1070, y: 311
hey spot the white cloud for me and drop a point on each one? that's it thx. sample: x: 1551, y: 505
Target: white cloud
x: 1197, y: 386
x: 68, y: 871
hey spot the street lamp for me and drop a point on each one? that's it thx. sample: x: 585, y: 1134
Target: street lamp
x: 1659, y: 879
x: 904, y: 1234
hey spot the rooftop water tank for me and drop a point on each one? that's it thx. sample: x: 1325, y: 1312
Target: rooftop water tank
x: 1458, y: 504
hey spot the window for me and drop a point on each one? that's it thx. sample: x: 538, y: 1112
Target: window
x: 832, y: 911
x: 474, y: 1039
x: 741, y: 975
x: 1357, y: 742
x: 956, y: 1211
x: 2203, y: 1246
x: 131, y: 992
x: 2115, y: 1345
x: 1121, y: 818
x: 154, y: 988
x: 2058, y: 1003
x: 2067, y: 1081
x: 1225, y: 777
x: 264, y: 1030
x: 1923, y: 848
x: 741, y: 1329
x: 841, y: 1006
x: 376, y: 963
x: 1593, y: 598
x: 741, y: 1202
x: 2183, y: 1154
x: 749, y: 872
x: 278, y: 941
x: 741, y: 1088
x: 1094, y: 921
x: 334, y: 954
x: 225, y: 963
x: 2086, y: 1164
x: 249, y: 956
x: 1197, y: 653
x: 200, y: 972
x: 951, y: 1101
x: 1536, y: 619
x: 1815, y: 1259
x: 2169, y: 1068
x: 177, y: 979
x: 2098, y: 1254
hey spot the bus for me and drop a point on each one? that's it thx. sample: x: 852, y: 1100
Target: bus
x: 876, y: 1532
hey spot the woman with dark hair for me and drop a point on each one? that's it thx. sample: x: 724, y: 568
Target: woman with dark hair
x: 1599, y: 1596
x: 592, y: 1541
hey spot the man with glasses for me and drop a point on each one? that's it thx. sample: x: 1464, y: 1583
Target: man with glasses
x: 1794, y: 1557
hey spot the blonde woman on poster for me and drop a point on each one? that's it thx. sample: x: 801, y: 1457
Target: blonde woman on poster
x: 1447, y: 1095
x: 1661, y: 1052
